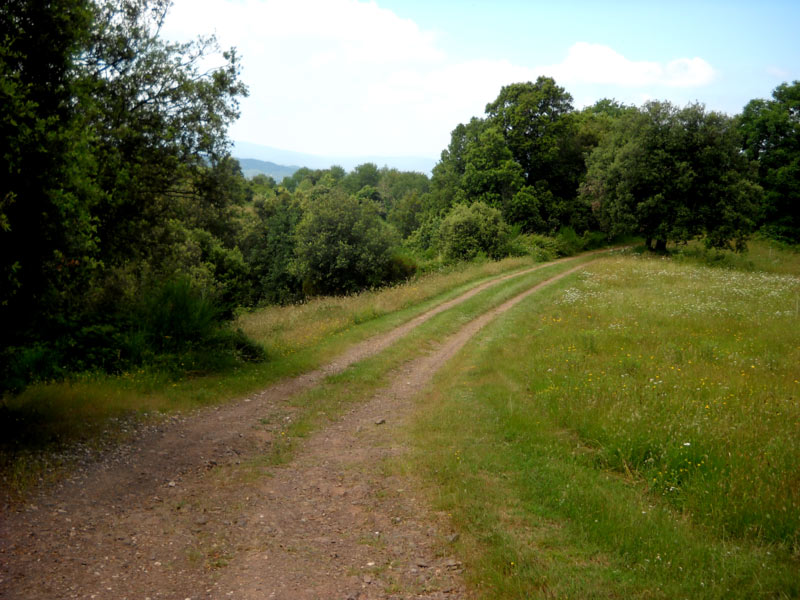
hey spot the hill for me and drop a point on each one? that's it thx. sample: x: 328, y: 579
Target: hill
x: 247, y: 150
x: 252, y: 167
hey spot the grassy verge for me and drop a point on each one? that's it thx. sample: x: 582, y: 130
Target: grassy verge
x: 631, y: 432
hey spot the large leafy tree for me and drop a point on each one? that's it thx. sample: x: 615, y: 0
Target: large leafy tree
x: 157, y: 118
x: 452, y: 165
x: 672, y: 174
x: 491, y: 175
x: 771, y: 132
x: 537, y: 122
x: 47, y: 231
x: 113, y: 143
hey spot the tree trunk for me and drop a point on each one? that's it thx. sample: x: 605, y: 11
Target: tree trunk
x: 661, y: 245
x: 648, y: 243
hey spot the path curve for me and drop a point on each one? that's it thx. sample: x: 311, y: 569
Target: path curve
x: 116, y: 529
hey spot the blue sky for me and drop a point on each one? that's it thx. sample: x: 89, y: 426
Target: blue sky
x: 394, y: 77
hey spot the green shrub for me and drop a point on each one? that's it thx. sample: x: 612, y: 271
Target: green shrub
x: 593, y: 240
x: 468, y: 230
x: 569, y: 242
x: 343, y: 245
x: 541, y: 247
x: 175, y: 316
x: 425, y: 238
x: 401, y: 266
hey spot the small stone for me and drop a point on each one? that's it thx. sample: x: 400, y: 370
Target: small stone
x: 422, y: 563
x: 453, y: 538
x: 380, y: 421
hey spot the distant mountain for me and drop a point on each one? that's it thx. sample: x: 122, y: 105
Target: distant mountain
x: 247, y: 150
x: 252, y: 167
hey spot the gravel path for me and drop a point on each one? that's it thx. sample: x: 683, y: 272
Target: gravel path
x: 179, y: 514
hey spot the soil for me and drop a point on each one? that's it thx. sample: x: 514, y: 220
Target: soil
x: 186, y: 511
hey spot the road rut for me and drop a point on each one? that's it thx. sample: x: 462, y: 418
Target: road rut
x: 168, y: 517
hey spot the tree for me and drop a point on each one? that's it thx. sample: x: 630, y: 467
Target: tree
x: 406, y: 213
x: 156, y: 117
x: 366, y: 174
x: 343, y: 245
x: 450, y: 169
x: 491, y: 175
x: 269, y: 250
x: 47, y: 231
x: 109, y: 134
x: 771, y: 132
x: 535, y: 119
x: 673, y: 174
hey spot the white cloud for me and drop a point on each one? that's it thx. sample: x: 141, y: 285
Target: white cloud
x: 598, y: 64
x: 345, y: 77
x: 778, y: 72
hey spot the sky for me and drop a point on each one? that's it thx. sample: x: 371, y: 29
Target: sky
x: 395, y: 77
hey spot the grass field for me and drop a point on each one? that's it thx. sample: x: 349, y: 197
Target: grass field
x: 631, y: 432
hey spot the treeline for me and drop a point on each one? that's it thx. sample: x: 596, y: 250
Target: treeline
x: 129, y: 236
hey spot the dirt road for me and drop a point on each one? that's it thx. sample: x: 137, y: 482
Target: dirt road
x: 175, y: 514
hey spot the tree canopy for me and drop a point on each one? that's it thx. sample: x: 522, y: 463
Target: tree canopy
x: 771, y: 132
x: 672, y: 174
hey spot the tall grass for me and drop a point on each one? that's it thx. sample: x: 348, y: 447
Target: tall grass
x: 286, y: 329
x: 634, y: 432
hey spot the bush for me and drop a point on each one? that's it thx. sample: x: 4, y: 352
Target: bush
x: 425, y: 238
x: 401, y: 267
x: 175, y: 316
x: 593, y: 240
x: 175, y: 328
x: 343, y: 245
x: 569, y: 242
x: 467, y: 231
x: 541, y: 247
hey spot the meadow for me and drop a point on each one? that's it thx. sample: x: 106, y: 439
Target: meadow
x: 631, y: 432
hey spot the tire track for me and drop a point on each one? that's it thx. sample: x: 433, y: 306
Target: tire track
x: 336, y: 494
x: 113, y: 531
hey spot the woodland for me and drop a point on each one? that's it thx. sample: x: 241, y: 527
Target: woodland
x: 129, y: 236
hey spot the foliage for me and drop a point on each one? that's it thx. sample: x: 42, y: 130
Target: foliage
x: 536, y: 122
x: 115, y: 146
x: 490, y: 175
x: 343, y: 245
x: 47, y: 231
x: 269, y: 250
x: 673, y: 175
x: 771, y: 136
x: 467, y: 231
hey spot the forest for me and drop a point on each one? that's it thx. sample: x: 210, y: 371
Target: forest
x: 130, y: 237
